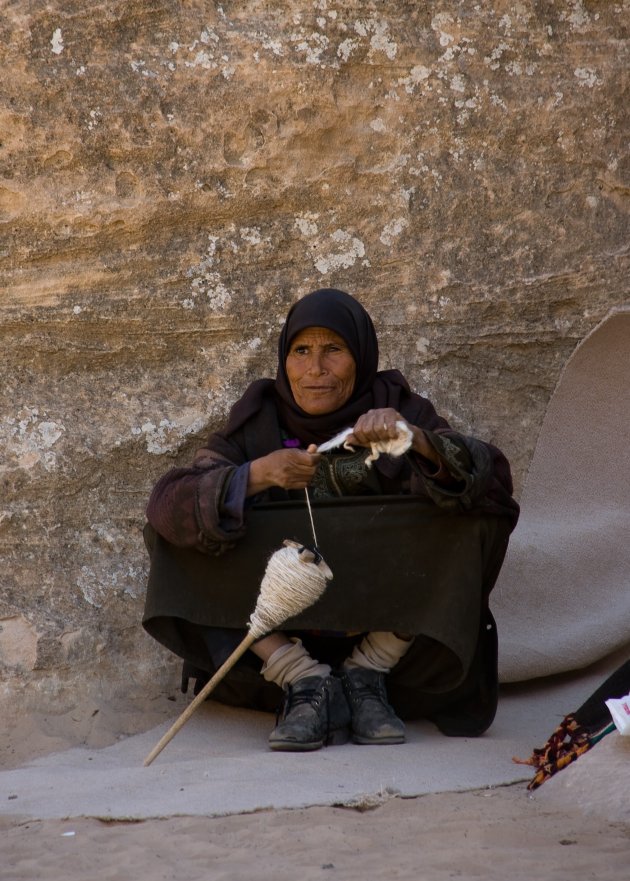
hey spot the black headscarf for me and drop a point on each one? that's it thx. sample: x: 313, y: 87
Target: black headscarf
x: 337, y: 311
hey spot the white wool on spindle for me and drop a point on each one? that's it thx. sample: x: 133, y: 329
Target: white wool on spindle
x: 292, y: 582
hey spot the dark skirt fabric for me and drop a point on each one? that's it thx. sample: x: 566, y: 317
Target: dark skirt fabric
x: 399, y: 564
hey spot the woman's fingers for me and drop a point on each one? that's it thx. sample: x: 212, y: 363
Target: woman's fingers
x: 374, y: 426
x: 294, y: 469
x: 289, y: 469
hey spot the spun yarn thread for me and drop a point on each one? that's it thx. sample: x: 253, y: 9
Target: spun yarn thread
x: 294, y: 579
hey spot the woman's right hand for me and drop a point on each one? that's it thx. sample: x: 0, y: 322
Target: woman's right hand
x: 289, y: 469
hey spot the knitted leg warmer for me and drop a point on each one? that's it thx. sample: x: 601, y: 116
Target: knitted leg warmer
x: 378, y: 651
x: 290, y: 663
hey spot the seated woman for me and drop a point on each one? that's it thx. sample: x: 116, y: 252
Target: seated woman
x: 404, y: 630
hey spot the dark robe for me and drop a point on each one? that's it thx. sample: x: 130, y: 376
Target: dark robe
x: 411, y: 555
x: 413, y: 547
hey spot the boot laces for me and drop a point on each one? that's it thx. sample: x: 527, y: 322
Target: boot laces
x: 370, y: 691
x: 310, y: 696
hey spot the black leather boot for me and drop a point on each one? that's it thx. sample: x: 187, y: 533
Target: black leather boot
x: 315, y: 712
x: 373, y: 719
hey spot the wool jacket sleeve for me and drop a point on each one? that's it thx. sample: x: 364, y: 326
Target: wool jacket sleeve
x: 473, y: 475
x: 478, y: 476
x: 204, y: 506
x: 201, y: 506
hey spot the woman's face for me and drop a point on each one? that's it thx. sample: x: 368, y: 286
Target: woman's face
x: 321, y: 370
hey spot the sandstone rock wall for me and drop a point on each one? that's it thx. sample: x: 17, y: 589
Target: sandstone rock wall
x: 174, y: 174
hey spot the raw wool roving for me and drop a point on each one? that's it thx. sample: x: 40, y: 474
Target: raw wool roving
x: 396, y: 446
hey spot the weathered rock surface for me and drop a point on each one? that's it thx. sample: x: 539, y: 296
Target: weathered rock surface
x: 174, y: 175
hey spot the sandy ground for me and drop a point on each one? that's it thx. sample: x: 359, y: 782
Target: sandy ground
x: 28, y: 735
x: 576, y: 826
x: 496, y: 833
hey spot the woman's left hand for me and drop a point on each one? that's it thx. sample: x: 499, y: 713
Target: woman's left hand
x: 377, y: 425
x: 380, y: 425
